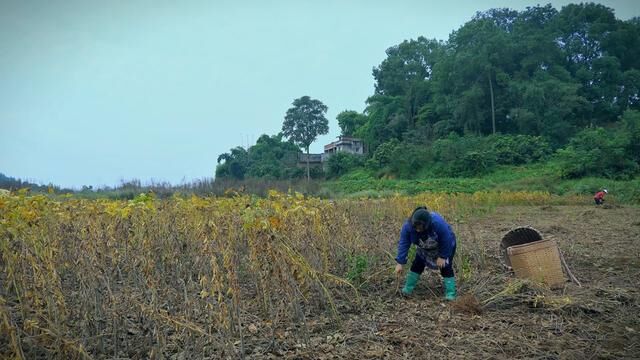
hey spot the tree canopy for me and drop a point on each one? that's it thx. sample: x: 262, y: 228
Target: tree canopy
x: 270, y: 157
x: 304, y: 122
x: 539, y: 72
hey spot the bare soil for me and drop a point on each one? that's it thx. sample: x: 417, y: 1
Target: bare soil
x: 600, y: 319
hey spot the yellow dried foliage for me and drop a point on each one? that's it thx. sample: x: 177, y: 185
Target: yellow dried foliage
x: 76, y: 269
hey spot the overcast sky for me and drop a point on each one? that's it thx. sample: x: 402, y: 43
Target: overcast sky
x: 92, y: 92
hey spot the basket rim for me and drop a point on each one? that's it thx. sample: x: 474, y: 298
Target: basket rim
x: 535, y: 245
x: 504, y: 256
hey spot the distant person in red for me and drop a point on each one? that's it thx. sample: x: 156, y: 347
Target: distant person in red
x: 599, y: 197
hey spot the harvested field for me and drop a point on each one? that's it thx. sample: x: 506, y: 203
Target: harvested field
x: 288, y: 277
x: 601, y: 319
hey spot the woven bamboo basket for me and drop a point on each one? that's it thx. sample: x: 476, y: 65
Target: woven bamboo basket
x: 517, y: 236
x: 538, y: 261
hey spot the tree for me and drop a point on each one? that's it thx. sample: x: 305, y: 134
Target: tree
x: 273, y: 158
x: 549, y: 105
x: 270, y: 158
x: 582, y: 28
x: 406, y: 75
x: 385, y: 120
x: 536, y: 47
x: 406, y: 65
x: 473, y: 75
x: 624, y: 43
x: 304, y: 122
x: 584, y: 35
x: 349, y: 121
x: 631, y: 89
x: 235, y: 164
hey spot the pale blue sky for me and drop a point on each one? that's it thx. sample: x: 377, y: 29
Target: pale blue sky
x: 92, y: 92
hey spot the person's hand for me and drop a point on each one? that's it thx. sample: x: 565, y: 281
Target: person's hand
x: 441, y: 262
x: 398, y: 269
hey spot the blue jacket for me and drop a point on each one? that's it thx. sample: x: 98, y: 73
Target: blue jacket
x: 440, y: 231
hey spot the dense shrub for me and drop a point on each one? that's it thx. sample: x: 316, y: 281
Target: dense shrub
x: 631, y: 129
x: 461, y: 156
x: 397, y: 159
x: 519, y: 149
x: 598, y: 152
x: 341, y: 163
x: 383, y: 155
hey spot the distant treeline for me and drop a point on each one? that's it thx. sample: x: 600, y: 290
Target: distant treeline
x: 12, y: 184
x: 129, y: 189
x: 508, y: 87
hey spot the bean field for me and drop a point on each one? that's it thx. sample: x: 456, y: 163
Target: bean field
x: 289, y: 276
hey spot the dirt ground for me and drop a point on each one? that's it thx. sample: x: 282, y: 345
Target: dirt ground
x: 600, y: 319
x: 495, y: 317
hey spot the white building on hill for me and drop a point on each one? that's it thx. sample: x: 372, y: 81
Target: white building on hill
x: 344, y: 144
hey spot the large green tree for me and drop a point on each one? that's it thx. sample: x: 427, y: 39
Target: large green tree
x: 273, y: 158
x: 233, y: 164
x: 349, y: 121
x: 582, y: 31
x: 269, y: 158
x: 482, y: 57
x: 304, y: 122
x: 402, y: 80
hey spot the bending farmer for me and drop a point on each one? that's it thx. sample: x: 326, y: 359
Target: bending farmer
x: 599, y: 196
x: 436, y: 246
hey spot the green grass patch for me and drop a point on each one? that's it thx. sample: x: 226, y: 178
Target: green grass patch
x: 536, y: 177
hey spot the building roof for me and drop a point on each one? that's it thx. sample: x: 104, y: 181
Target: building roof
x: 342, y: 140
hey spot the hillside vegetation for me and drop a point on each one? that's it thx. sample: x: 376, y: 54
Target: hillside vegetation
x: 508, y: 88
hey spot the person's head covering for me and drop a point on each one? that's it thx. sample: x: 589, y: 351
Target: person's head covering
x: 605, y: 191
x: 421, y: 216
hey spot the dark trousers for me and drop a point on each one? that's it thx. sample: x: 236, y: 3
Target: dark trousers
x: 418, y: 266
x: 599, y: 201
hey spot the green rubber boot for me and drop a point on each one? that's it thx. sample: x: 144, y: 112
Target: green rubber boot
x: 449, y: 288
x: 410, y: 283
